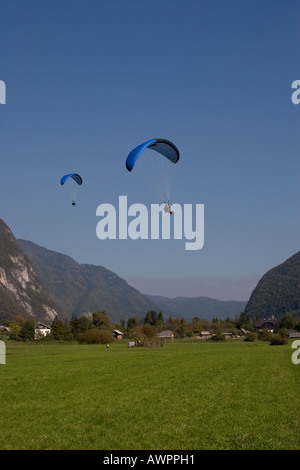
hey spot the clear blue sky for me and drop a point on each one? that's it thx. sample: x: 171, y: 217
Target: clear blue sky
x: 89, y: 80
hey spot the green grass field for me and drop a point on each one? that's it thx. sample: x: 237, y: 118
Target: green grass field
x: 182, y: 396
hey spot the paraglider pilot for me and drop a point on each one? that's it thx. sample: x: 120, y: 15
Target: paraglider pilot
x: 168, y: 208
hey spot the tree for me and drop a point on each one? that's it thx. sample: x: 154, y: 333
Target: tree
x: 287, y: 322
x: 101, y: 319
x: 132, y: 322
x: 196, y: 325
x: 149, y: 331
x: 58, y: 329
x: 183, y: 327
x: 151, y: 318
x: 218, y: 336
x: 145, y: 335
x: 27, y: 331
x: 172, y: 324
x: 160, y: 321
x: 14, y: 330
x: 79, y: 325
x: 120, y: 325
x: 244, y: 322
x: 137, y: 334
x: 19, y: 320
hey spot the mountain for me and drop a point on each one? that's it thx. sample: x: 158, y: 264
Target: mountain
x: 202, y: 307
x: 39, y: 283
x: 81, y: 288
x: 21, y: 292
x: 278, y: 291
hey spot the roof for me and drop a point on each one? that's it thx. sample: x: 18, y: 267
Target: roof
x: 41, y: 326
x: 4, y: 328
x: 118, y: 332
x: 261, y: 323
x: 293, y: 333
x: 166, y: 334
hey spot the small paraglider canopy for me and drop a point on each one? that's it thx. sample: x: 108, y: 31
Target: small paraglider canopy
x: 77, y: 178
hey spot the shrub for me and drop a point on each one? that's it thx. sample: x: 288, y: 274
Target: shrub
x: 283, y: 332
x: 218, y: 336
x: 265, y: 335
x: 278, y: 340
x: 96, y: 336
x: 152, y: 343
x: 250, y: 336
x: 145, y: 335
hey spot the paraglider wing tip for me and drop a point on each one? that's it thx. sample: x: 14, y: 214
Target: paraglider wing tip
x: 167, y: 148
x: 129, y: 168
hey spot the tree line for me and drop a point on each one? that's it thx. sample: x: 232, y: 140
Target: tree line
x: 98, y: 328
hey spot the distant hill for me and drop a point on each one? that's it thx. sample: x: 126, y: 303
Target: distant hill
x: 81, y: 288
x: 21, y: 292
x: 202, y: 307
x: 278, y: 291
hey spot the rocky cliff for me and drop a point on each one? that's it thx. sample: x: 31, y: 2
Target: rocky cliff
x: 21, y: 292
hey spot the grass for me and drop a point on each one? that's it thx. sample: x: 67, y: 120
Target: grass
x: 183, y: 396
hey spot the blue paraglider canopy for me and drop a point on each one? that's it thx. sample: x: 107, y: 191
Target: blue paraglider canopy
x: 75, y: 177
x: 162, y: 146
x: 156, y: 169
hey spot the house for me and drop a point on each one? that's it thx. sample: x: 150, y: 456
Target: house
x: 117, y: 334
x: 293, y: 333
x: 268, y: 324
x: 167, y: 335
x: 205, y: 334
x: 227, y: 335
x: 4, y: 329
x: 243, y: 331
x: 41, y: 330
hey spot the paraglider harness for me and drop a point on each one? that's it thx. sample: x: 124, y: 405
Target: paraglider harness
x: 168, y: 208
